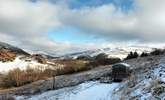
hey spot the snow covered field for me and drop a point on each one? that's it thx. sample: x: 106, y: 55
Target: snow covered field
x: 18, y: 63
x: 85, y: 91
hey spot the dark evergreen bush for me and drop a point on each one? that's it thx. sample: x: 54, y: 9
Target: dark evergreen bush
x: 132, y: 55
x: 144, y: 54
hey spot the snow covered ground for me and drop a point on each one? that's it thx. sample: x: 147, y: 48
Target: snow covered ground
x: 18, y: 63
x: 149, y: 85
x: 85, y: 91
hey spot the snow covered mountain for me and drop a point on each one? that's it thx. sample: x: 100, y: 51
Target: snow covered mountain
x: 120, y: 52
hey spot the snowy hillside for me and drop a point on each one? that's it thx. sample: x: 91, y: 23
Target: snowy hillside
x: 120, y: 52
x: 148, y: 85
x: 20, y: 63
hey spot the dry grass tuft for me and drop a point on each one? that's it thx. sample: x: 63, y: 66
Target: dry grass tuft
x: 18, y: 77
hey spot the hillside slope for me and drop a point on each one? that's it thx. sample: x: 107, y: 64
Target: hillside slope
x: 9, y: 52
x: 13, y: 49
x: 147, y: 81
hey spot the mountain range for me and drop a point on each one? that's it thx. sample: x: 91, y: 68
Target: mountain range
x: 120, y: 52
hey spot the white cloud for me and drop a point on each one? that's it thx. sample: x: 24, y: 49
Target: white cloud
x: 26, y: 24
x: 105, y: 20
x: 151, y: 19
x: 22, y: 16
x: 145, y: 22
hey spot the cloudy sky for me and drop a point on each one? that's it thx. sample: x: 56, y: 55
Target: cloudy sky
x: 65, y: 26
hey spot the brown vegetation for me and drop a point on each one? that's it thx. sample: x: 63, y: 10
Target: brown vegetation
x: 6, y: 55
x: 17, y: 77
x: 71, y: 66
x: 102, y: 59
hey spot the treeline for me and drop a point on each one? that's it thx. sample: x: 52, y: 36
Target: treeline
x: 132, y: 55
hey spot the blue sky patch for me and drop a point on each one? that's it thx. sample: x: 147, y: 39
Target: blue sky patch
x: 72, y: 35
x: 124, y: 5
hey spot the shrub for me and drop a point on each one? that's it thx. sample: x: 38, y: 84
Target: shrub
x: 100, y: 59
x: 12, y: 78
x: 101, y: 56
x: 106, y: 61
x: 86, y: 58
x: 17, y: 77
x: 72, y: 66
x: 157, y: 52
x: 132, y: 55
x: 49, y: 72
x: 144, y: 54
